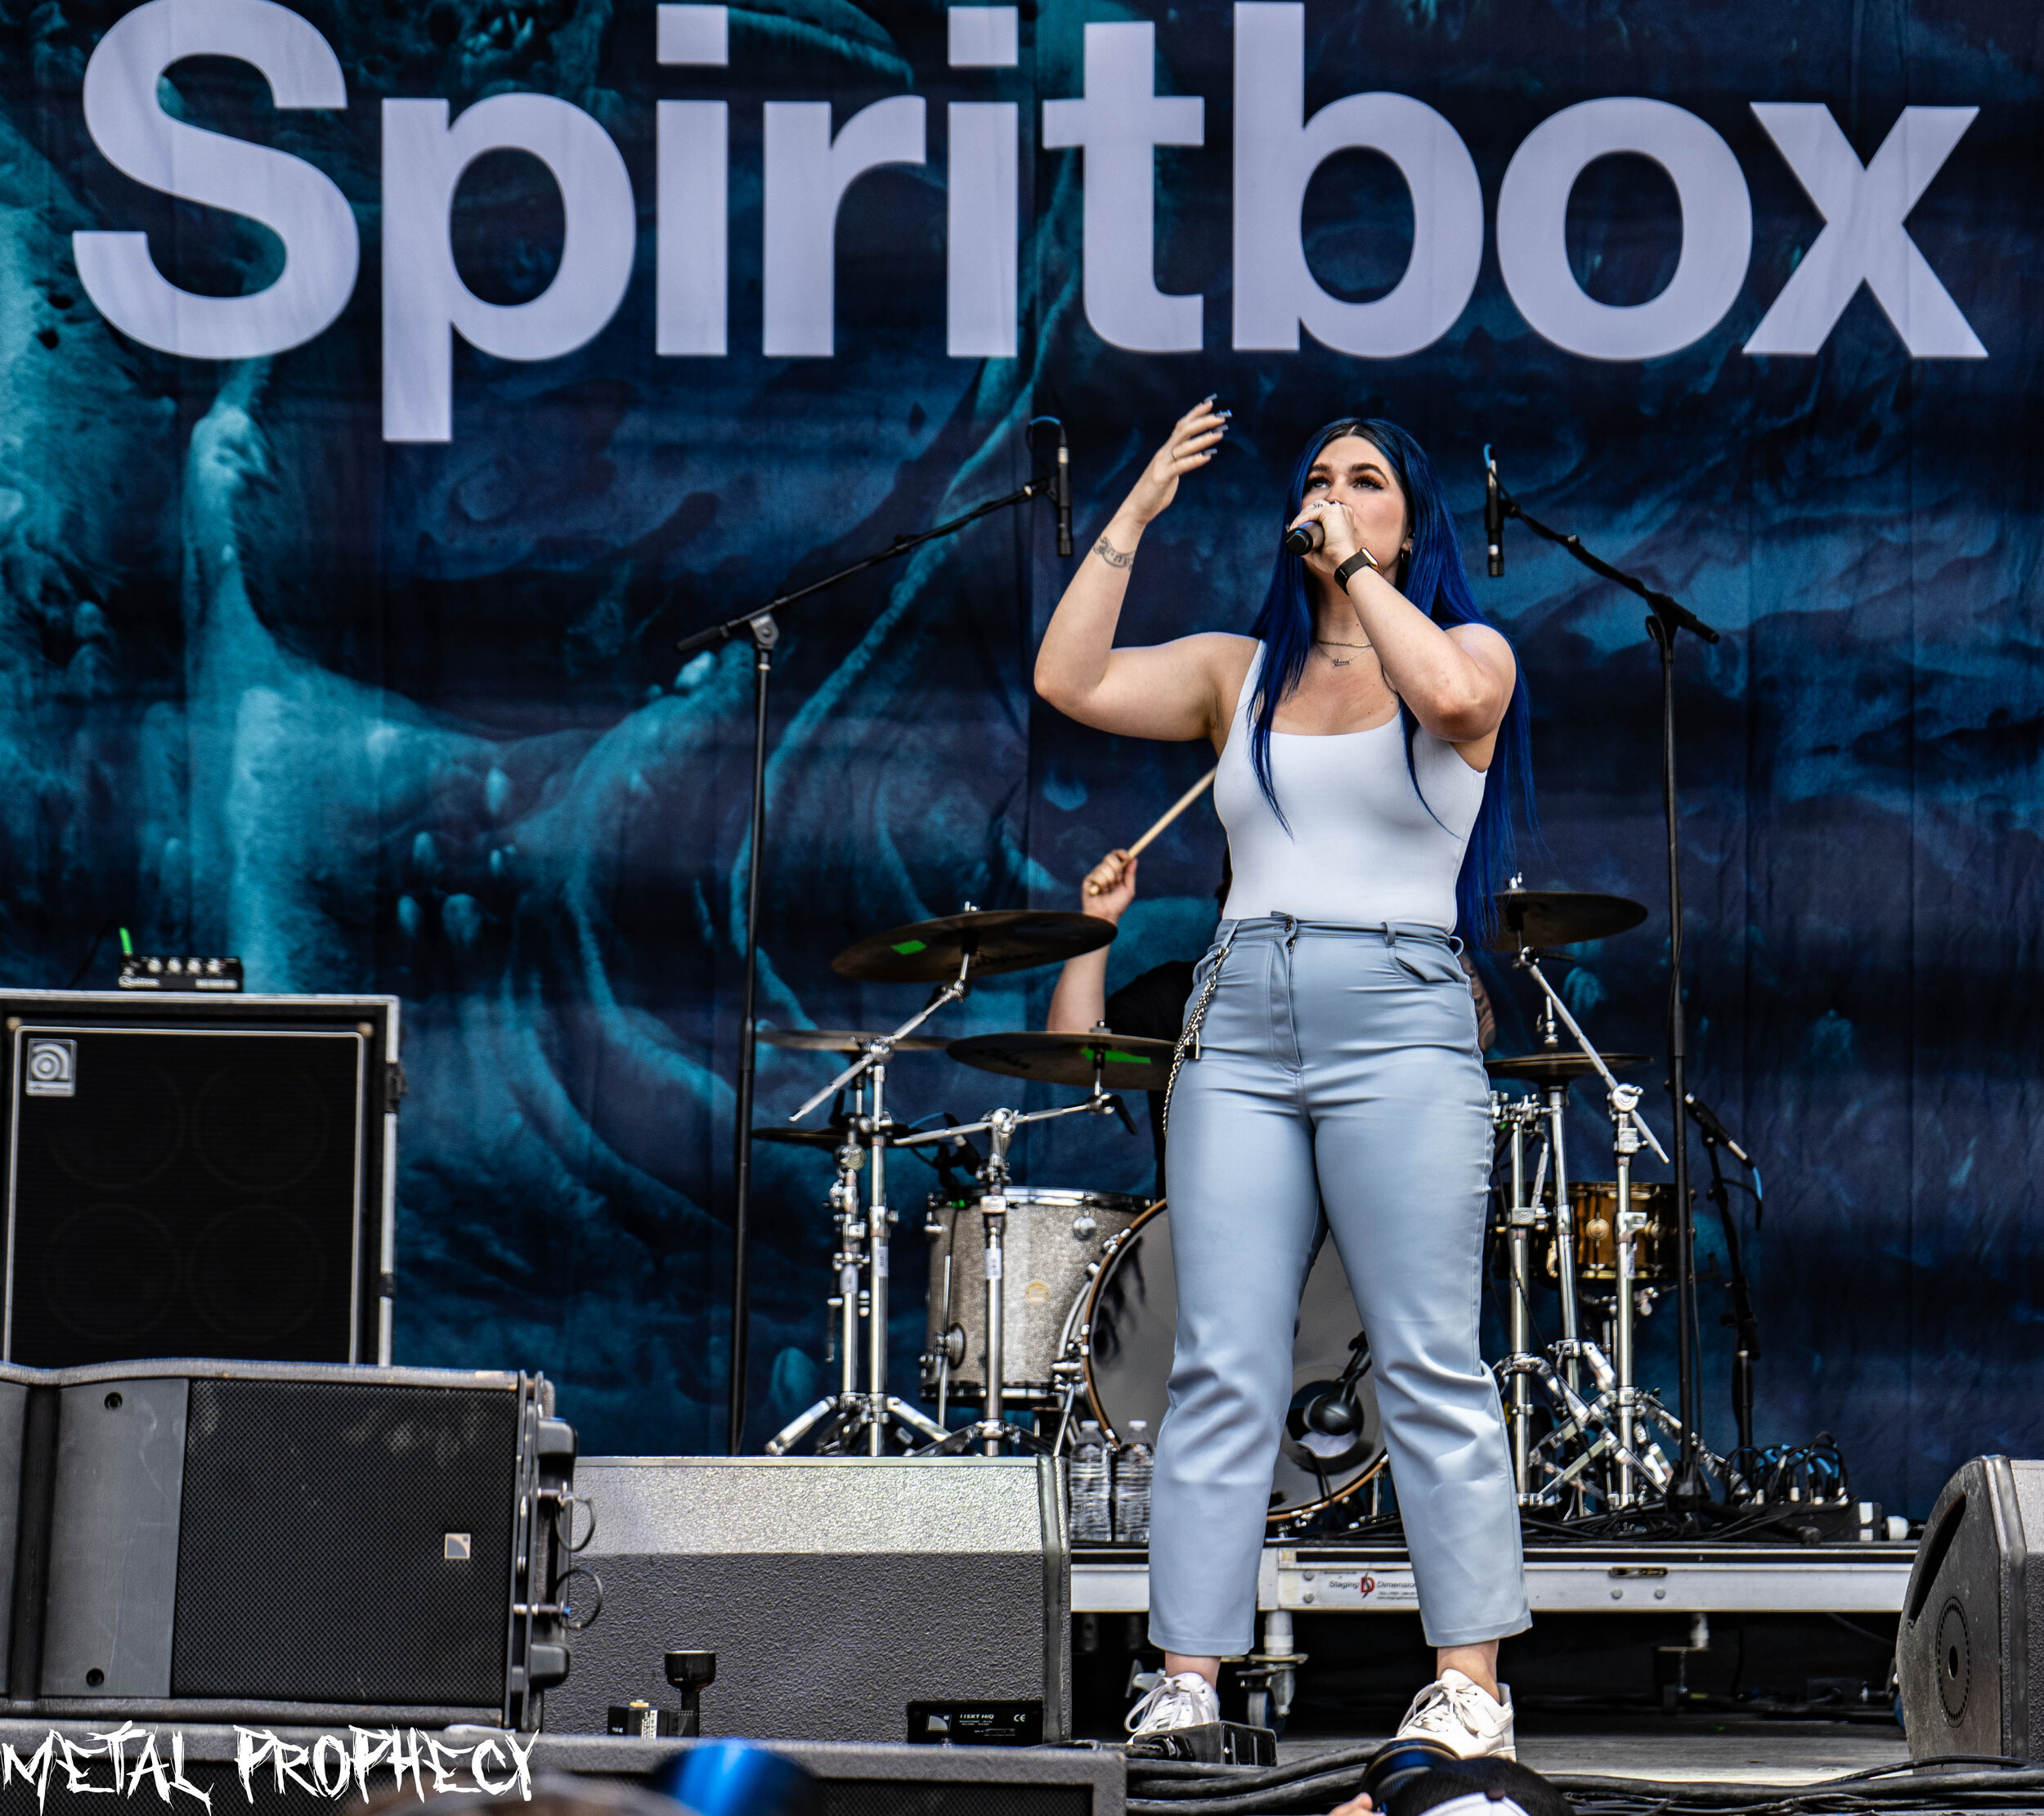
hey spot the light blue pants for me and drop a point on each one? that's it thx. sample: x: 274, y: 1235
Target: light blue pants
x: 1339, y: 1069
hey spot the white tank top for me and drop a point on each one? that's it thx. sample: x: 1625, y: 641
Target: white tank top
x: 1363, y: 848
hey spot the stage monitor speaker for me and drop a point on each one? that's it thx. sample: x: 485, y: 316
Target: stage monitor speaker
x: 1974, y: 1610
x: 606, y: 1775
x: 254, y: 1542
x: 199, y: 1176
x: 834, y: 1591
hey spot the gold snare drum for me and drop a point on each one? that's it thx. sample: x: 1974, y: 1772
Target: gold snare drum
x: 1594, y: 1205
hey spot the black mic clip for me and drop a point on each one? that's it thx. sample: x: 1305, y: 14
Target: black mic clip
x: 1493, y: 512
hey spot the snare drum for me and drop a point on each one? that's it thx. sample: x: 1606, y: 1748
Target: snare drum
x: 1594, y: 1204
x: 1131, y: 1325
x: 1053, y: 1240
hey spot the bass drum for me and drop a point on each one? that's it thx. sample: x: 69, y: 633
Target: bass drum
x: 1128, y: 1326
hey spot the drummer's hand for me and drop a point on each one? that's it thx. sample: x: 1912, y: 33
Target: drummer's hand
x: 1194, y: 440
x: 1355, y: 1806
x: 1114, y: 877
x: 1338, y: 538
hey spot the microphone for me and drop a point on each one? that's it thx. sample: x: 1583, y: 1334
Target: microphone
x: 1493, y: 514
x: 1305, y: 538
x: 1706, y: 1119
x: 1061, y: 493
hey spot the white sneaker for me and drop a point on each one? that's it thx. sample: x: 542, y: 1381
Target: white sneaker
x: 1183, y: 1700
x: 1462, y: 1716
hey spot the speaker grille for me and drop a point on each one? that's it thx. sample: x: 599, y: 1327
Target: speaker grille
x: 312, y: 1563
x: 195, y: 1193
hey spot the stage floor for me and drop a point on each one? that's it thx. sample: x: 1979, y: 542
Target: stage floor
x: 1690, y: 1748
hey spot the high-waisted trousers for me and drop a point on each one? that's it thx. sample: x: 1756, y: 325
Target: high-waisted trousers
x: 1337, y: 1071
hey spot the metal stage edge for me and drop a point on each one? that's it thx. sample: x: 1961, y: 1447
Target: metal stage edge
x: 1849, y: 1577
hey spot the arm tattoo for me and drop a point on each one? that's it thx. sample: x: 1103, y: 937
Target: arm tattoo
x: 1113, y: 556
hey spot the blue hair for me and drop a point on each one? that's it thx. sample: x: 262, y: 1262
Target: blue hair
x: 1433, y: 577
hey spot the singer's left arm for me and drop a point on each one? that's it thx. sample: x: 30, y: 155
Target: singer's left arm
x: 1457, y: 681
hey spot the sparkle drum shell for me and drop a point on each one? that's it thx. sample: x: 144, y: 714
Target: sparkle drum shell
x: 1053, y: 1239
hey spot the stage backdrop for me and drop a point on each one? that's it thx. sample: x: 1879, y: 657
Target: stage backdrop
x: 389, y: 386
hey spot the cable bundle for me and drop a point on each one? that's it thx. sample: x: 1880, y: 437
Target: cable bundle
x: 1307, y: 1787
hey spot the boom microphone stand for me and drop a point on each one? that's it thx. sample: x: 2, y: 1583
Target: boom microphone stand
x: 761, y: 624
x: 1687, y: 1491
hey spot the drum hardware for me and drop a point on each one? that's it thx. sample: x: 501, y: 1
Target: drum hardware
x: 850, y: 1419
x: 993, y: 1429
x: 1614, y: 1428
x: 759, y: 625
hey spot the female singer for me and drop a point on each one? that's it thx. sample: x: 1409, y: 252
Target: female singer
x: 1370, y: 729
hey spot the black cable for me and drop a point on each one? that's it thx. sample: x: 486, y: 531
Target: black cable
x: 91, y: 952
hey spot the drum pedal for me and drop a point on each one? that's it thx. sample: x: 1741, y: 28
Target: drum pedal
x: 1211, y: 1743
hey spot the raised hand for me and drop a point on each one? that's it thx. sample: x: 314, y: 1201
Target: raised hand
x: 1191, y: 444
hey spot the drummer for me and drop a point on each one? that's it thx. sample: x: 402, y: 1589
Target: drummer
x: 1151, y: 1006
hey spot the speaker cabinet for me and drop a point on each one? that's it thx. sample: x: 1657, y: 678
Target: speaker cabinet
x: 233, y: 1542
x: 834, y: 1591
x: 201, y: 1176
x: 1974, y: 1610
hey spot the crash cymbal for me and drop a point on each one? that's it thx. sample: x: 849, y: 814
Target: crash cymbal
x: 1544, y: 918
x: 1000, y: 939
x: 1132, y: 1064
x: 1557, y: 1066
x: 845, y: 1040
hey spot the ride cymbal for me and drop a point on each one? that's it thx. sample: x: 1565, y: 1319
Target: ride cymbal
x: 845, y: 1040
x: 1544, y: 918
x: 1130, y: 1063
x: 999, y: 939
x: 1558, y: 1067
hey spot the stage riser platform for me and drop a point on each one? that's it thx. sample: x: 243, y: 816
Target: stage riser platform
x: 1834, y: 1579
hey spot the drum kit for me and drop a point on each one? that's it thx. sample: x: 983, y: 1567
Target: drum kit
x: 1058, y: 1305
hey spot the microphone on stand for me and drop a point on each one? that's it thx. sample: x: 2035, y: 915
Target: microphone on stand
x: 1706, y: 1119
x: 1305, y: 538
x: 1061, y: 493
x: 1493, y: 514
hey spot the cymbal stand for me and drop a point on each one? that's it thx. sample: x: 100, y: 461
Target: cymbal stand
x: 1629, y: 1132
x: 1521, y: 1218
x: 866, y: 1415
x: 875, y: 1052
x: 993, y: 1429
x: 1555, y: 1102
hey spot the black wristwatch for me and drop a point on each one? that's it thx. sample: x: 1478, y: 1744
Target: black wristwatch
x: 1347, y: 570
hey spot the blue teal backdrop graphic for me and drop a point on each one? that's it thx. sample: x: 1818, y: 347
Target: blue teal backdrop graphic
x: 406, y: 717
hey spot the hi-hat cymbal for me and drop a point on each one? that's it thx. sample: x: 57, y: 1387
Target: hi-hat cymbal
x: 1000, y: 939
x: 1558, y: 1067
x: 1131, y: 1064
x: 845, y: 1040
x: 1544, y: 918
x: 800, y: 1137
x: 789, y: 1136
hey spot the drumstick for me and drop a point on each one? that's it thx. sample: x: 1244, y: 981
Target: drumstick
x: 1170, y: 813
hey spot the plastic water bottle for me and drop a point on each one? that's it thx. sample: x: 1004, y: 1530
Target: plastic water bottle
x: 1091, y: 1521
x: 1134, y: 1463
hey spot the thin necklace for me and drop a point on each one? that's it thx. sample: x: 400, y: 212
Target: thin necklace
x: 1338, y: 661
